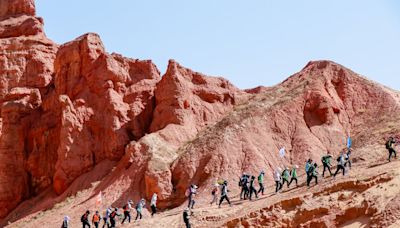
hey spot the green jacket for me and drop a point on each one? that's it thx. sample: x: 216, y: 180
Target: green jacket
x: 326, y: 159
x: 313, y: 170
x: 293, y: 173
x: 261, y: 178
x: 285, y: 174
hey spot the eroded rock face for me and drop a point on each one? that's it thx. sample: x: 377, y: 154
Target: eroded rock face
x: 10, y: 8
x: 106, y: 100
x: 186, y: 102
x: 26, y: 68
x: 14, y: 180
x: 92, y: 104
x: 309, y: 114
x: 185, y: 97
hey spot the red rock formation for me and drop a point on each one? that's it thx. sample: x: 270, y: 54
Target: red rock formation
x: 15, y: 8
x: 26, y: 68
x: 105, y: 102
x: 309, y: 114
x: 186, y: 102
x: 92, y: 104
x: 73, y: 109
x: 17, y: 106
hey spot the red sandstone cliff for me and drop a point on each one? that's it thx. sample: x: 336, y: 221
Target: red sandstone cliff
x: 74, y: 117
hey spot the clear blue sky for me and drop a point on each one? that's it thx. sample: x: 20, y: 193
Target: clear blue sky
x: 251, y: 43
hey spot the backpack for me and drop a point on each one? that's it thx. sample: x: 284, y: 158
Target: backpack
x: 125, y: 207
x: 96, y: 218
x: 338, y: 159
x: 84, y: 218
x: 387, y: 145
x: 113, y: 214
x: 244, y: 182
x: 214, y: 191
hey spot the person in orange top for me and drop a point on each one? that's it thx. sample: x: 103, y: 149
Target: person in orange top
x: 96, y: 219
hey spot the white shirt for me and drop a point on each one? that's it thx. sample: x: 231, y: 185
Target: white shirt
x: 153, y: 200
x: 277, y: 176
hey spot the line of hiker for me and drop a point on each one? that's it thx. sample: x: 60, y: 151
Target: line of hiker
x: 111, y: 215
x: 247, y: 183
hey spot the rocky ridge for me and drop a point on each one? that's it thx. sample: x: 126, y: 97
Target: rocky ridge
x: 75, y: 119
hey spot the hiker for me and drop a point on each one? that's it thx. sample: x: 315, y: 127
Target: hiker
x: 127, y: 211
x: 214, y: 193
x: 313, y: 173
x: 326, y: 162
x: 96, y: 219
x: 261, y: 182
x: 340, y: 165
x: 153, y: 204
x: 191, y: 192
x: 348, y: 159
x: 65, y: 222
x: 224, y: 194
x: 285, y: 177
x: 106, y: 217
x: 85, y: 219
x: 390, y: 147
x: 252, y: 188
x: 293, y: 174
x: 139, y: 208
x: 186, y: 217
x: 244, y: 184
x: 277, y: 178
x: 113, y: 217
x: 308, y: 164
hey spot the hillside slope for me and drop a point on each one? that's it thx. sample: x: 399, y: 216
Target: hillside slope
x: 76, y: 121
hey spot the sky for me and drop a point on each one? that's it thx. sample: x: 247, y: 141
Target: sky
x: 251, y: 43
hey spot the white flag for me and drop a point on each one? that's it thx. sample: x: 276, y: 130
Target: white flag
x: 282, y: 152
x: 99, y: 200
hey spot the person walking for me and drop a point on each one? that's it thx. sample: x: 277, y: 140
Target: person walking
x: 277, y: 178
x: 308, y: 166
x: 139, y: 208
x: 192, y: 191
x: 261, y: 182
x: 340, y: 165
x: 186, y: 217
x: 348, y: 158
x: 127, y: 211
x: 326, y: 162
x: 313, y: 174
x: 244, y: 180
x: 252, y: 188
x: 106, y: 217
x: 214, y: 194
x: 224, y: 194
x: 96, y: 219
x: 390, y: 147
x: 293, y: 174
x: 285, y: 177
x: 85, y: 219
x: 153, y: 204
x: 113, y: 218
x: 65, y: 223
